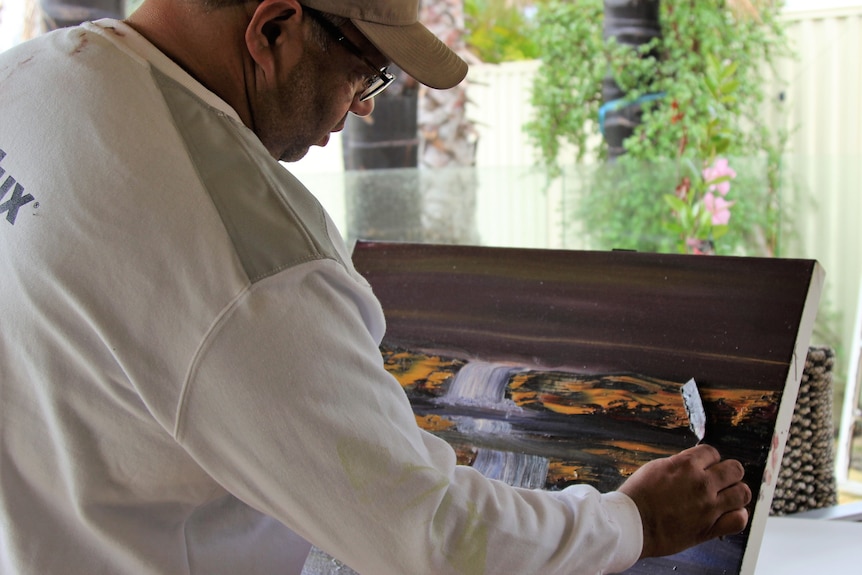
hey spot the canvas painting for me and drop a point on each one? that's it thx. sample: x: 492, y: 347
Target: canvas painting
x: 544, y: 368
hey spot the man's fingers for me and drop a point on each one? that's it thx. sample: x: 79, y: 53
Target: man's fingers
x: 727, y: 472
x: 704, y: 455
x: 732, y: 503
x: 730, y: 523
x: 732, y: 498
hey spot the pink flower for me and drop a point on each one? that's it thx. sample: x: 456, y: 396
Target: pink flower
x: 718, y: 169
x: 718, y: 207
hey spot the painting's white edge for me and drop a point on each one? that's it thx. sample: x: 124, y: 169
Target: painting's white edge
x: 782, y: 422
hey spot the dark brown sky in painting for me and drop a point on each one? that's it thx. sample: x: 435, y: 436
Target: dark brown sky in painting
x: 726, y: 321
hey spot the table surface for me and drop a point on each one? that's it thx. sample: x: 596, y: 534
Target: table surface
x: 810, y: 546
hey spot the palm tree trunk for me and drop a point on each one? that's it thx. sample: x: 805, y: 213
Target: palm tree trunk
x: 447, y: 148
x: 33, y: 20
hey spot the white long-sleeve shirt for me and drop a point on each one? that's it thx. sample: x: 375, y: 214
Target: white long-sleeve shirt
x: 190, y: 379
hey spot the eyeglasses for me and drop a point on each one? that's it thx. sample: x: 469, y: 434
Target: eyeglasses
x: 374, y: 84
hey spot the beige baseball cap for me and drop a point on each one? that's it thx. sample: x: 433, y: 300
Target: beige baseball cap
x: 393, y: 27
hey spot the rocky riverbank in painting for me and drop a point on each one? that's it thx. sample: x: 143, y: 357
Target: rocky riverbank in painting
x: 547, y: 428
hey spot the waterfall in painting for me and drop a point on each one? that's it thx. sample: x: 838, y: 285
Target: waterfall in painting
x: 517, y: 469
x: 482, y: 386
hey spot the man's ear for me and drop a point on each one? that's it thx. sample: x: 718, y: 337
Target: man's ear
x: 275, y: 33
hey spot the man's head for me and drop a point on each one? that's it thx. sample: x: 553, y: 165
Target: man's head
x: 352, y: 43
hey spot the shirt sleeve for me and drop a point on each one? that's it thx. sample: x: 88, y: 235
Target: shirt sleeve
x: 288, y: 406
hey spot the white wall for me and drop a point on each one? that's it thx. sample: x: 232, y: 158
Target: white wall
x: 824, y: 101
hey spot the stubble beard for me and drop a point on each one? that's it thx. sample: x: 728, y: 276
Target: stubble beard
x: 294, y: 116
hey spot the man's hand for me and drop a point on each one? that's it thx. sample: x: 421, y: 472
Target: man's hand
x: 688, y: 499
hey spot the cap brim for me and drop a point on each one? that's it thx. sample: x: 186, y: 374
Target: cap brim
x: 417, y: 51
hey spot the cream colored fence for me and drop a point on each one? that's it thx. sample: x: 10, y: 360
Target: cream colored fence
x: 824, y: 103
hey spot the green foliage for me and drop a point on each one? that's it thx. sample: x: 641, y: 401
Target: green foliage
x: 498, y: 31
x: 708, y: 67
x: 567, y: 92
x: 699, y: 206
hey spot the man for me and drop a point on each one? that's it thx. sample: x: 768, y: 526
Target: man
x: 189, y: 367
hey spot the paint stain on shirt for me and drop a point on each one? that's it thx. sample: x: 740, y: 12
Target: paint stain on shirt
x: 80, y: 42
